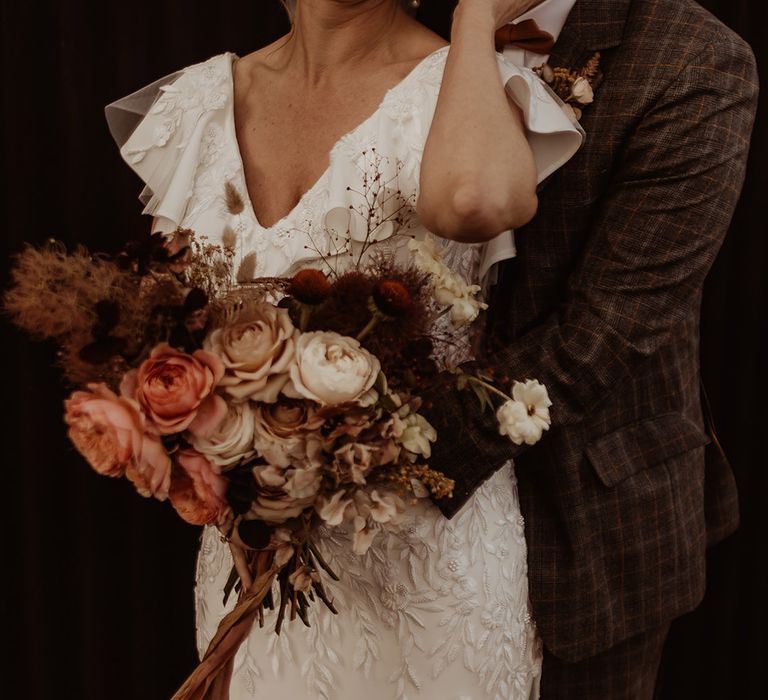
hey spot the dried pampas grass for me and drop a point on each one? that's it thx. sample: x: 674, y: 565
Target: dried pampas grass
x: 53, y: 293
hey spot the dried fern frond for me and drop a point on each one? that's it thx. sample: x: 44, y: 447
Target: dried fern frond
x: 592, y: 67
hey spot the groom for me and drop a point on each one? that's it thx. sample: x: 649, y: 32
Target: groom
x: 624, y: 494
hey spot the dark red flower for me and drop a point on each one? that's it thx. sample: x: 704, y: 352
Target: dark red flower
x: 391, y: 298
x: 310, y: 287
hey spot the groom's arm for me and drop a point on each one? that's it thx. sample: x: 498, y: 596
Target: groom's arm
x: 656, y: 234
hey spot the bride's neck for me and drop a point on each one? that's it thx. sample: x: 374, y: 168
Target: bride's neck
x: 329, y: 34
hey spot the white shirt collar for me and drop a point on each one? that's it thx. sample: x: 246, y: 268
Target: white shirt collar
x: 551, y: 15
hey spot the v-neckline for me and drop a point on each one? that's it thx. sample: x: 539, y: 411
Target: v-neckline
x: 233, y: 57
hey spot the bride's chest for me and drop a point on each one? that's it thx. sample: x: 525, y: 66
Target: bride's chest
x: 285, y: 140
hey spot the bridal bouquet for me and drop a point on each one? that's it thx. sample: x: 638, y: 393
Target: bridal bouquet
x: 268, y: 409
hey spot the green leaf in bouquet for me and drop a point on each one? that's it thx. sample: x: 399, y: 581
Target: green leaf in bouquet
x: 482, y: 396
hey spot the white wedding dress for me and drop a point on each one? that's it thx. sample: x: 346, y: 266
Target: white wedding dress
x: 438, y: 609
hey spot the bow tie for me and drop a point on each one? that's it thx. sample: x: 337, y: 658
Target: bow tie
x: 525, y: 35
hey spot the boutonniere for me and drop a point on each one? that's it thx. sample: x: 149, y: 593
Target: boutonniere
x: 576, y: 88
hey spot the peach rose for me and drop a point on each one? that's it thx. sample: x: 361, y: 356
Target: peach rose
x: 332, y: 369
x: 175, y: 391
x: 256, y: 354
x: 105, y: 428
x: 198, y: 491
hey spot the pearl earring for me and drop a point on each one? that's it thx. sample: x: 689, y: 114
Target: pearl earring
x: 415, y: 4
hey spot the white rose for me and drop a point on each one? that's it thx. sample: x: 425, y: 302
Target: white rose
x: 417, y: 435
x: 331, y: 369
x: 526, y: 416
x: 232, y: 441
x: 582, y: 92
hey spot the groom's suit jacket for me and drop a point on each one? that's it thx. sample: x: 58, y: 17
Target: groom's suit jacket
x: 602, y: 305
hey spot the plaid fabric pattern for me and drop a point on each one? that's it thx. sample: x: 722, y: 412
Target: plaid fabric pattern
x: 626, y: 672
x: 602, y: 305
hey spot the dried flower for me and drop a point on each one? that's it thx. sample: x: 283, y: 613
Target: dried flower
x: 391, y: 297
x: 310, y: 287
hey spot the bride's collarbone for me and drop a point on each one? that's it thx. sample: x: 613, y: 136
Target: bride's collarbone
x: 285, y: 143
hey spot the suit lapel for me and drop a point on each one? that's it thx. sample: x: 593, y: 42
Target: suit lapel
x: 593, y: 25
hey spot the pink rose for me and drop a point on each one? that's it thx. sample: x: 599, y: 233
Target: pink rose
x: 150, y: 470
x: 198, y: 491
x: 105, y: 428
x: 108, y: 430
x: 175, y: 391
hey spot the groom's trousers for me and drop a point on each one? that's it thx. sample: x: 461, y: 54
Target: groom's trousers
x: 626, y: 672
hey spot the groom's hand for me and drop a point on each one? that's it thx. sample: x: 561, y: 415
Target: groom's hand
x: 500, y: 11
x: 469, y: 448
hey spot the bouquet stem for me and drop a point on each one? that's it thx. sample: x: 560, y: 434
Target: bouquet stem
x: 211, y: 679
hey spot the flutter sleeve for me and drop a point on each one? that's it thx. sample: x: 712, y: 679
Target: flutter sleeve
x: 553, y: 136
x: 159, y: 131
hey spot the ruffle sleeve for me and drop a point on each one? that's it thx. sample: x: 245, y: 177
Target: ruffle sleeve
x: 159, y: 131
x: 553, y: 137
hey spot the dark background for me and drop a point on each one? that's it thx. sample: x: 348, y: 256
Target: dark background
x: 101, y: 582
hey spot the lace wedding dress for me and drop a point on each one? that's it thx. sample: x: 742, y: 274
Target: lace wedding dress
x: 437, y: 608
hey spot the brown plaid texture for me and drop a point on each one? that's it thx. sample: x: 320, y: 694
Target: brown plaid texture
x: 625, y: 672
x: 602, y: 304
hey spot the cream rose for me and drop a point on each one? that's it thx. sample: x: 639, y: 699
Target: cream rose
x: 256, y: 354
x: 331, y: 369
x: 582, y: 91
x: 232, y: 441
x: 279, y: 430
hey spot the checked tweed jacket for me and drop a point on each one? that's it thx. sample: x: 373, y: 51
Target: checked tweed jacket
x: 602, y: 304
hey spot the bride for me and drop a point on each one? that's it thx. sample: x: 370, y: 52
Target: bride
x: 269, y: 150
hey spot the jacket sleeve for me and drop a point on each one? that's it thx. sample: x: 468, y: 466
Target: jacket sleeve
x: 658, y: 229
